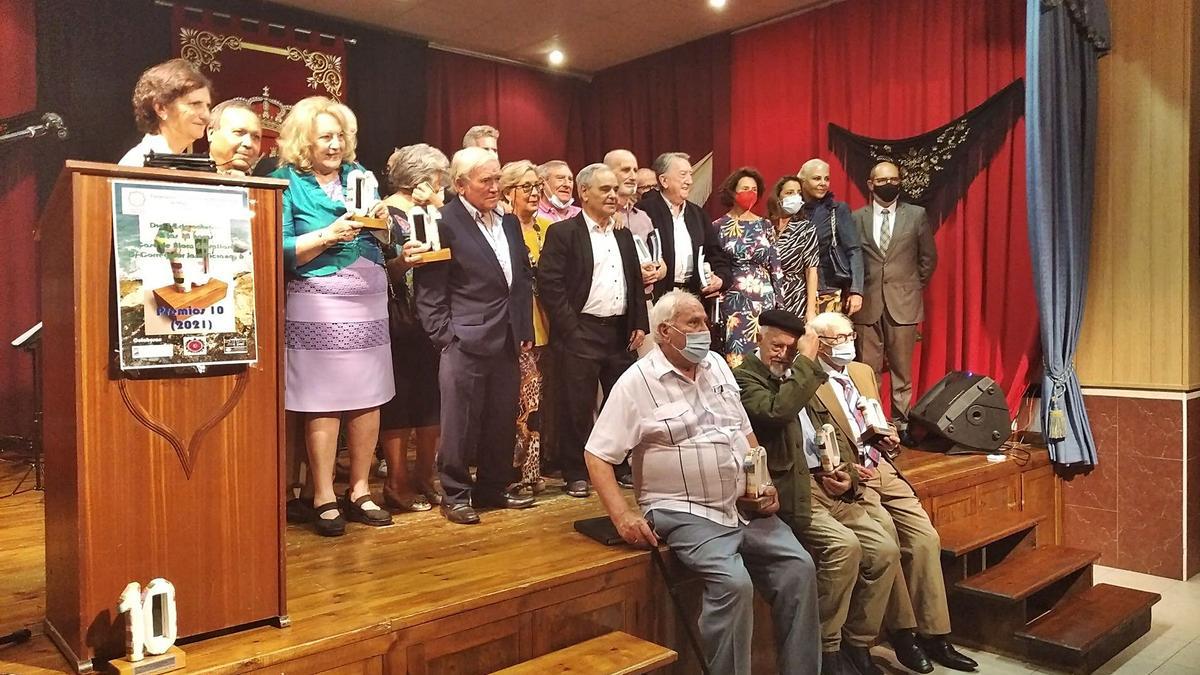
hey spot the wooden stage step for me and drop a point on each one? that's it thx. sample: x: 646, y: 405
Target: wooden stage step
x: 1087, y: 629
x: 969, y: 534
x: 1024, y: 573
x: 614, y: 653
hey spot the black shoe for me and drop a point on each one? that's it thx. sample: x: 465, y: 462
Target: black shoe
x: 501, y: 500
x: 577, y: 488
x: 831, y: 663
x: 375, y: 517
x: 299, y: 510
x: 329, y: 527
x: 459, y: 514
x: 939, y: 649
x: 858, y: 660
x: 908, y: 652
x: 625, y: 480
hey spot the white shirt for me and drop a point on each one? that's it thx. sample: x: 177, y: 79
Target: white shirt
x: 495, y: 237
x: 685, y: 251
x: 137, y: 154
x: 878, y: 224
x: 607, y: 295
x: 688, y: 438
x: 849, y: 407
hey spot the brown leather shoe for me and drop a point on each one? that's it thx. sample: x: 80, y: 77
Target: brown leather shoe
x: 460, y: 514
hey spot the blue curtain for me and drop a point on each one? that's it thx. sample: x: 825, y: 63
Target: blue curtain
x: 1064, y: 41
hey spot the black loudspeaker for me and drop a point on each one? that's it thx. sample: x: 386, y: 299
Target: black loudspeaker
x: 966, y: 409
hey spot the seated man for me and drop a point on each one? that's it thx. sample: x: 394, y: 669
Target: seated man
x: 890, y: 501
x: 856, y: 557
x: 678, y: 411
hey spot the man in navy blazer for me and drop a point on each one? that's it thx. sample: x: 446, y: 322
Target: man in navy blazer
x: 590, y: 283
x: 478, y: 307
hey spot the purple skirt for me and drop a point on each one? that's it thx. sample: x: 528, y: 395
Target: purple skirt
x: 339, y: 354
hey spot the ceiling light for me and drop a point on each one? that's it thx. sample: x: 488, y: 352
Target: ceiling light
x: 556, y: 57
x: 716, y: 4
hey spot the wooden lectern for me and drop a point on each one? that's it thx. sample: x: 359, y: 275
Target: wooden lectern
x: 162, y: 475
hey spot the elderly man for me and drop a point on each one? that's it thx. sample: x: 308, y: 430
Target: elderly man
x: 558, y: 184
x: 625, y: 165
x: 678, y: 411
x: 840, y: 272
x: 483, y: 136
x: 856, y: 557
x: 477, y: 308
x: 234, y: 137
x: 590, y: 284
x: 683, y: 230
x: 918, y: 597
x: 646, y: 181
x: 900, y: 257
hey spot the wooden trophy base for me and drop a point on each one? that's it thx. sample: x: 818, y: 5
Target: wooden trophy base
x: 199, y: 297
x: 173, y: 659
x: 752, y: 503
x: 368, y: 223
x: 439, y: 255
x: 873, y: 435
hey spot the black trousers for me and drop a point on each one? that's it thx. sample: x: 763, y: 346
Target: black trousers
x: 598, y: 354
x: 479, y: 421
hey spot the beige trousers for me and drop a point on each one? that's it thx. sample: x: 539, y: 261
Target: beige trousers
x: 856, y: 566
x: 918, y: 598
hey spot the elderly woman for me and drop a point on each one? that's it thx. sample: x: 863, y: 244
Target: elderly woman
x: 417, y: 175
x: 521, y: 188
x: 796, y: 246
x: 749, y: 240
x: 339, y: 360
x: 170, y: 105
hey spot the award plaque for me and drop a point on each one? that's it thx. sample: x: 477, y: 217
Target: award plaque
x: 827, y: 445
x: 423, y: 229
x: 362, y: 190
x: 151, y: 630
x: 877, y: 424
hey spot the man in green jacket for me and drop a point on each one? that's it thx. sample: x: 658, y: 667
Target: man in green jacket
x: 857, y: 560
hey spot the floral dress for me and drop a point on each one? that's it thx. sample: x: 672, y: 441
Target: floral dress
x: 756, y: 275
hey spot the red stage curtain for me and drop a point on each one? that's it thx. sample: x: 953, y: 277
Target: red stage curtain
x: 534, y: 111
x: 18, y: 199
x: 676, y: 100
x: 895, y: 69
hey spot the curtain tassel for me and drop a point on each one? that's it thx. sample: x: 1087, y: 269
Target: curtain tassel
x: 1056, y: 429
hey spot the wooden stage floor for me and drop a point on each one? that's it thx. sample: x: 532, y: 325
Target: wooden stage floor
x: 426, y: 596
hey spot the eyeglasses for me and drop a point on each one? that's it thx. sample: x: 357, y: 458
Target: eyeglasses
x: 529, y: 187
x: 838, y: 339
x: 886, y: 181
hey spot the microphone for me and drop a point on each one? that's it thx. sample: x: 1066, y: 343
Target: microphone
x: 51, y: 123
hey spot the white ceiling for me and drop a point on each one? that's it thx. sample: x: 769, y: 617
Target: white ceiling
x: 593, y: 34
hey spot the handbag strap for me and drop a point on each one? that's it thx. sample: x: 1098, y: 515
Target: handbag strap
x: 687, y: 624
x: 833, y: 225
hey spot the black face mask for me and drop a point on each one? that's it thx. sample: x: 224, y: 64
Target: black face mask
x: 887, y: 192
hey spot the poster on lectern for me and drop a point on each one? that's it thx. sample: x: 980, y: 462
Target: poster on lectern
x: 185, y: 274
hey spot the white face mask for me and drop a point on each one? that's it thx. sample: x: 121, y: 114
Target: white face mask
x: 791, y: 204
x: 842, y: 354
x: 560, y: 204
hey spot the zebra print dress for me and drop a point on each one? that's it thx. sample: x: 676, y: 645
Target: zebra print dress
x: 797, y: 250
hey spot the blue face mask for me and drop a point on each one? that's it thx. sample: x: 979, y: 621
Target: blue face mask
x: 696, y: 345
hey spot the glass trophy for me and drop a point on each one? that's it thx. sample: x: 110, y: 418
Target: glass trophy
x: 361, y: 198
x: 423, y: 229
x: 758, y: 479
x: 877, y: 426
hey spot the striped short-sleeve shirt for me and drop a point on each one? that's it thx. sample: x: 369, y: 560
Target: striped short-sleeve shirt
x: 687, y: 437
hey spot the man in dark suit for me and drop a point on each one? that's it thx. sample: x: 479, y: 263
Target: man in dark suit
x: 683, y: 230
x: 590, y: 283
x: 899, y: 257
x: 477, y: 307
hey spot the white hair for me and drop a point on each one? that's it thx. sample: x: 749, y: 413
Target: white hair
x: 667, y: 307
x: 830, y: 322
x: 807, y: 168
x: 584, y: 179
x: 467, y: 160
x: 613, y: 156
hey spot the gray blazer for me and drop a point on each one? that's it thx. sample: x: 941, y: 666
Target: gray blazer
x: 896, y: 280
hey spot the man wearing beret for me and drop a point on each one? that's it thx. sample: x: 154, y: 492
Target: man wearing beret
x: 857, y: 560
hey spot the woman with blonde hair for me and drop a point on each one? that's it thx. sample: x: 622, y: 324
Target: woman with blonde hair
x: 339, y: 360
x: 171, y: 104
x: 521, y: 188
